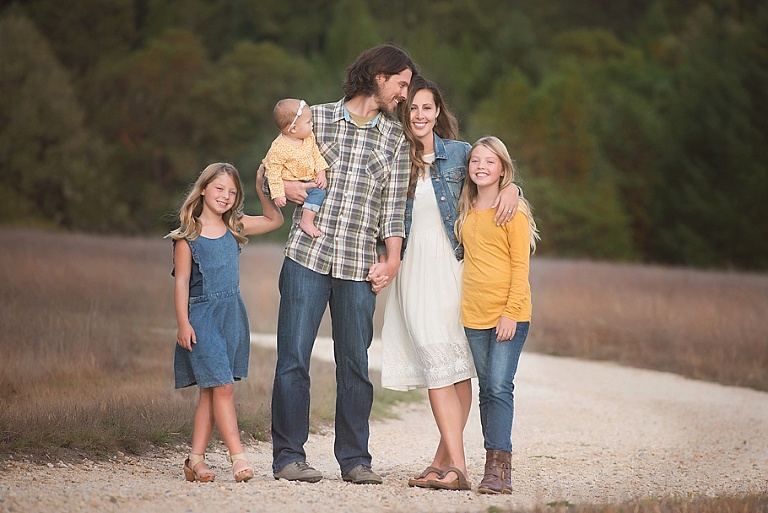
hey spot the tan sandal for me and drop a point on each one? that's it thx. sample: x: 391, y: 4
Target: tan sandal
x: 460, y: 483
x: 190, y: 472
x: 421, y: 480
x: 244, y: 474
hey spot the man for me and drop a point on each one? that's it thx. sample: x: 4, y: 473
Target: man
x: 367, y: 186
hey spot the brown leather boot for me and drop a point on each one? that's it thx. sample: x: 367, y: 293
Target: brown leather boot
x: 498, y: 473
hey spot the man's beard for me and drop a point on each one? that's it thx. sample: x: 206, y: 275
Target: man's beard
x: 384, y: 107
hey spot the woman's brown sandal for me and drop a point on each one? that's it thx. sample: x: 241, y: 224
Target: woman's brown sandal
x: 244, y: 474
x: 206, y: 475
x: 421, y: 480
x: 460, y: 483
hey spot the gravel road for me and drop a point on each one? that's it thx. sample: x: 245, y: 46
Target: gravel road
x: 584, y: 432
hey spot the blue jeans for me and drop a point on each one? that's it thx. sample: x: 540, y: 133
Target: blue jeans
x: 304, y: 295
x: 315, y: 198
x: 496, y: 365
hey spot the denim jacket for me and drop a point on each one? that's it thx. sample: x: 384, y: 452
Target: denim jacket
x: 448, y: 174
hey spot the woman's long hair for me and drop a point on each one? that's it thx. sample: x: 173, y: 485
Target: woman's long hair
x: 190, y: 211
x: 469, y: 191
x: 446, y: 126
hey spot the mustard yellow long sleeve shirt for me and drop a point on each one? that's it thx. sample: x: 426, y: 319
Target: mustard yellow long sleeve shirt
x: 496, y: 265
x: 285, y: 161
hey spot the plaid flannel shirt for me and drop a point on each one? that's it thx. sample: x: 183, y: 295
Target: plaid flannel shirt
x: 367, y: 187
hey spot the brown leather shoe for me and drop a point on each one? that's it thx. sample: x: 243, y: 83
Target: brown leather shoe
x: 498, y: 473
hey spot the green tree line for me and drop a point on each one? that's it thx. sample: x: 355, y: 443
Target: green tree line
x: 640, y: 128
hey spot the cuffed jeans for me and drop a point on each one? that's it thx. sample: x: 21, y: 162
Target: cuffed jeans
x: 304, y: 295
x: 315, y: 198
x: 496, y: 365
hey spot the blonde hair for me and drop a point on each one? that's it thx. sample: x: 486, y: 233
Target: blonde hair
x: 189, y: 213
x: 469, y: 191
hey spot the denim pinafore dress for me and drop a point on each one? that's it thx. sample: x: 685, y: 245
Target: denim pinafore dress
x: 217, y: 314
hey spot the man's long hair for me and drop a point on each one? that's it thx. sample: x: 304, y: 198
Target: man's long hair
x: 386, y: 59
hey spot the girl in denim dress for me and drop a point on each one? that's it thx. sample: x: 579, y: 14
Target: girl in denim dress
x: 213, y: 339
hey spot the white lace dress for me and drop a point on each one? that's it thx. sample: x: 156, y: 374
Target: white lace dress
x: 423, y: 341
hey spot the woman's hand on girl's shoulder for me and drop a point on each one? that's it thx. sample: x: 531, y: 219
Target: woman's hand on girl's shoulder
x: 507, y: 202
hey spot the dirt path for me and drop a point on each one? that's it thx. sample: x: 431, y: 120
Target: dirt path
x: 584, y: 432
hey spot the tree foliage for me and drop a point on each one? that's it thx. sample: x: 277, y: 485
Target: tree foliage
x: 639, y: 128
x: 713, y: 185
x: 52, y: 166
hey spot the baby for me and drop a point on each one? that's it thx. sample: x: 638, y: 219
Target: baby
x: 294, y: 155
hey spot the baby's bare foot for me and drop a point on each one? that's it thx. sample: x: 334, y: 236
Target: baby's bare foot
x: 310, y: 229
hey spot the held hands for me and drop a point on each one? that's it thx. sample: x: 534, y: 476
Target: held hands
x: 186, y: 337
x: 381, y: 275
x: 506, y: 329
x: 378, y: 281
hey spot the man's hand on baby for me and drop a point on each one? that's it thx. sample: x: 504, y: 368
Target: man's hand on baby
x: 296, y: 191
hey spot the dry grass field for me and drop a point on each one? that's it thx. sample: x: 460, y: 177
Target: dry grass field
x: 704, y: 325
x: 88, y: 333
x: 752, y: 504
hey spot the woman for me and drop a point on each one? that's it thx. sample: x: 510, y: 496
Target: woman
x: 423, y: 341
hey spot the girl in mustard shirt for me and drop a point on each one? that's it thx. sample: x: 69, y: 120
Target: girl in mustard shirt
x: 496, y: 299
